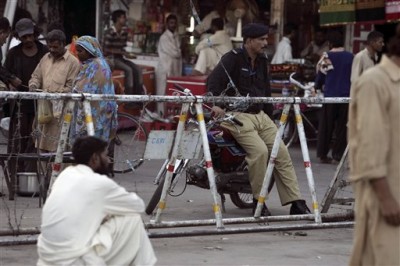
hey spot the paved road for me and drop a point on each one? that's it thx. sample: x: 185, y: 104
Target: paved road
x: 317, y: 247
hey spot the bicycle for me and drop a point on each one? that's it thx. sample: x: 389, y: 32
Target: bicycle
x: 309, y: 114
x: 128, y: 146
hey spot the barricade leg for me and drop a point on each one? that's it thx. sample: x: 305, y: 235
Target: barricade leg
x: 209, y: 166
x: 61, y: 144
x: 172, y: 161
x: 88, y: 118
x: 271, y: 163
x: 307, y: 162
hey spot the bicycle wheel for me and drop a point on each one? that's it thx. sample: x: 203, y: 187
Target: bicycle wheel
x: 155, y: 199
x: 129, y: 144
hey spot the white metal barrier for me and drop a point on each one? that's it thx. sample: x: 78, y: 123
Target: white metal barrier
x: 86, y: 98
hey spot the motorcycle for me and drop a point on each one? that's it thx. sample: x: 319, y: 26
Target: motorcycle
x: 230, y: 168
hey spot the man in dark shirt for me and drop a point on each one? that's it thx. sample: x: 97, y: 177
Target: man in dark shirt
x: 5, y: 76
x: 248, y: 69
x: 22, y: 60
x: 333, y: 78
x: 115, y: 40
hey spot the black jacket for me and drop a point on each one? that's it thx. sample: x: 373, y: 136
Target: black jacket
x: 252, y: 82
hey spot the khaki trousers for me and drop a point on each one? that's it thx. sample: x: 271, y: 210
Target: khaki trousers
x: 257, y: 136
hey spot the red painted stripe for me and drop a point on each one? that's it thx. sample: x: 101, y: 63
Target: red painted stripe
x: 170, y: 168
x: 209, y: 164
x: 307, y: 164
x: 57, y: 167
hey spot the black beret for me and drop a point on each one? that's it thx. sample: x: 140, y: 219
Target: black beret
x: 254, y: 30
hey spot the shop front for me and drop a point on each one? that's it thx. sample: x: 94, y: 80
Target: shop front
x: 359, y: 17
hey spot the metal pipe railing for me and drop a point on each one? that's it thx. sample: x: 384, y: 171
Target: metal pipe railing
x: 32, y: 239
x: 326, y: 217
x: 159, y: 98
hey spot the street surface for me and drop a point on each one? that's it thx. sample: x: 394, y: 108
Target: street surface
x: 313, y: 247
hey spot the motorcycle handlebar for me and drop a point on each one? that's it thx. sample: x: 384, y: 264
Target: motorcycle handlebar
x: 179, y: 87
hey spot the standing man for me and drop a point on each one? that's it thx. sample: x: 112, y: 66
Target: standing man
x: 21, y: 61
x: 333, y: 78
x: 211, y: 49
x: 169, y: 51
x: 368, y: 57
x: 5, y: 76
x: 248, y: 69
x: 284, y: 50
x: 100, y: 224
x: 55, y: 73
x: 115, y: 39
x: 374, y: 152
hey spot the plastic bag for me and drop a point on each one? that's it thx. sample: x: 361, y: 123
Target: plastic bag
x: 45, y: 111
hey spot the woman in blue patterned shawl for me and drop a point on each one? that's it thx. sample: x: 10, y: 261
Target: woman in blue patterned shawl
x: 95, y: 78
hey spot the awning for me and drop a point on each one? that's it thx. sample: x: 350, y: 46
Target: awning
x: 362, y: 11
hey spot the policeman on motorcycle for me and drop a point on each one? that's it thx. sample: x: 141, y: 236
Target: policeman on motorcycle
x: 242, y: 72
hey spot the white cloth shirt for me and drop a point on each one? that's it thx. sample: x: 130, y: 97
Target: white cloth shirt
x: 169, y: 63
x: 78, y: 204
x: 361, y: 62
x: 220, y: 41
x: 283, y: 52
x: 210, y: 51
x: 170, y: 55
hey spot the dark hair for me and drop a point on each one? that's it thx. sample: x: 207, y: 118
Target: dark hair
x: 289, y: 28
x: 56, y: 35
x: 85, y: 147
x: 373, y: 36
x: 335, y: 39
x: 218, y: 23
x: 116, y: 14
x: 4, y: 23
x: 171, y: 16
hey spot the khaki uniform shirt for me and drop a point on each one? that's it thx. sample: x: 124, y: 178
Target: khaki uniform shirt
x: 54, y: 76
x: 374, y: 143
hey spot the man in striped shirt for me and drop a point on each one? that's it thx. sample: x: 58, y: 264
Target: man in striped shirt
x: 115, y: 39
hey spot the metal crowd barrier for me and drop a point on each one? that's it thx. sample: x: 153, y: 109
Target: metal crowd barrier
x: 288, y: 101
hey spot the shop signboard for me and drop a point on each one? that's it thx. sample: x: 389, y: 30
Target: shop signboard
x: 337, y: 12
x: 392, y: 10
x: 362, y: 11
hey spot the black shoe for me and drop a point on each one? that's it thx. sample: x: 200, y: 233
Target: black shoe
x: 264, y: 211
x: 299, y: 207
x: 325, y: 160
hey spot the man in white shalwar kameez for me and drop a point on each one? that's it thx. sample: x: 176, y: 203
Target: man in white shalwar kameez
x: 89, y: 219
x: 170, y: 57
